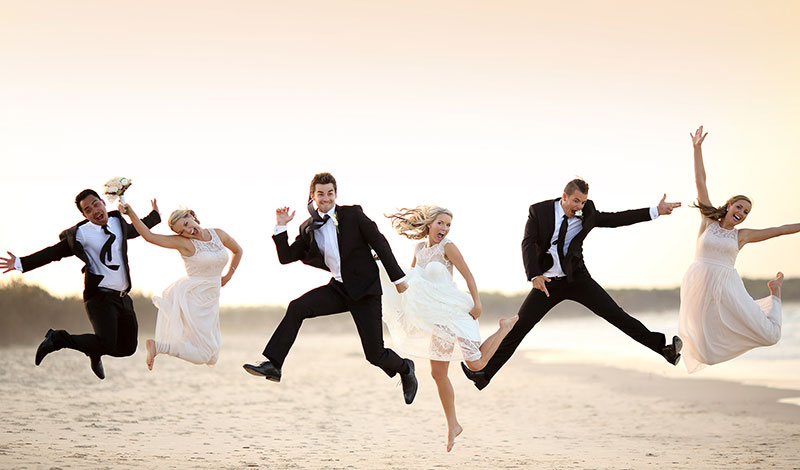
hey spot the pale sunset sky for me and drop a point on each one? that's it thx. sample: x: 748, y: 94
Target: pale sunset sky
x: 229, y: 108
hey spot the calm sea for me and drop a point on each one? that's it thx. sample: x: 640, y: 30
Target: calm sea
x: 591, y: 339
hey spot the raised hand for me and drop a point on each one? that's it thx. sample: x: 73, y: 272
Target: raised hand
x: 7, y: 264
x: 666, y: 208
x: 154, y: 203
x: 282, y: 215
x: 698, y: 137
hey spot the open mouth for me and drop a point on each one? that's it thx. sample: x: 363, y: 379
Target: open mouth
x: 737, y: 218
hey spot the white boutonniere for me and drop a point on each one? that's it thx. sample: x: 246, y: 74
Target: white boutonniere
x: 579, y: 214
x: 335, y: 219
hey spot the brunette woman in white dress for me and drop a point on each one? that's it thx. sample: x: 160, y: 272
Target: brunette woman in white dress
x: 433, y: 318
x: 718, y: 319
x: 188, y: 311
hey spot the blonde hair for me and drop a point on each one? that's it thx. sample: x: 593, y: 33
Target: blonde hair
x: 719, y: 213
x: 413, y: 223
x: 178, y: 214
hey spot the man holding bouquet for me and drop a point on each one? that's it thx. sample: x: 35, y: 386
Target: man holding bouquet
x: 100, y: 241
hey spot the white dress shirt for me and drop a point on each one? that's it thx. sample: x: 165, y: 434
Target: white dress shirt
x: 92, y: 238
x: 574, y: 227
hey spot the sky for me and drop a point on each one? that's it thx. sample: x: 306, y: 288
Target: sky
x: 229, y: 108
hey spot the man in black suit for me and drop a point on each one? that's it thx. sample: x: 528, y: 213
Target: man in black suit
x: 339, y: 239
x: 101, y: 242
x: 552, y: 251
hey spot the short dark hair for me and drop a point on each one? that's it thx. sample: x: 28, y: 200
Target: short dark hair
x: 321, y: 178
x: 83, y: 195
x: 578, y: 184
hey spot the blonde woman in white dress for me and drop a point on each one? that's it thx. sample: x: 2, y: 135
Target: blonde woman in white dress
x: 718, y: 319
x: 433, y: 318
x: 188, y: 311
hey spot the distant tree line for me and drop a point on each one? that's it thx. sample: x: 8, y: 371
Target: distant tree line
x: 27, y: 310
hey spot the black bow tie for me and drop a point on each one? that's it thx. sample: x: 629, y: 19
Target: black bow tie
x: 105, y: 252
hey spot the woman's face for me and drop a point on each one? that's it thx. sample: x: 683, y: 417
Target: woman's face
x: 737, y: 212
x: 187, y: 227
x: 439, y: 228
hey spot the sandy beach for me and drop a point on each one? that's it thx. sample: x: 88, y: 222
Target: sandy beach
x: 334, y: 411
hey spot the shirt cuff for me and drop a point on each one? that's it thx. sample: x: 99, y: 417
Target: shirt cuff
x: 279, y: 229
x: 399, y: 281
x: 18, y: 264
x: 653, y: 213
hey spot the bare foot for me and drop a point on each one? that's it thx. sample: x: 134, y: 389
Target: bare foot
x: 775, y: 285
x: 452, y: 434
x: 508, y: 323
x: 150, y: 345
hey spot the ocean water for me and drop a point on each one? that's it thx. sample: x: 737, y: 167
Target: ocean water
x: 591, y: 339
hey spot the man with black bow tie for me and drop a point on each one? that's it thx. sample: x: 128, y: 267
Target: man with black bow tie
x: 552, y: 252
x: 338, y: 239
x: 100, y: 241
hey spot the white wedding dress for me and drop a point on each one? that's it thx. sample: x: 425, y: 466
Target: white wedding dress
x: 188, y: 311
x: 431, y: 319
x: 718, y: 319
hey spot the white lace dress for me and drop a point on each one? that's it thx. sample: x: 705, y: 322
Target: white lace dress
x: 188, y: 311
x: 718, y: 319
x: 431, y: 319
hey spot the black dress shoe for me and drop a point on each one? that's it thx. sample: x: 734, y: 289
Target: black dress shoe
x: 46, y: 347
x: 265, y: 369
x: 409, y: 381
x: 478, y: 377
x: 97, y: 367
x: 672, y: 352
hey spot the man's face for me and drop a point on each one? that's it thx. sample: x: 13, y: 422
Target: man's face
x: 324, y: 196
x: 94, y: 209
x: 574, y: 202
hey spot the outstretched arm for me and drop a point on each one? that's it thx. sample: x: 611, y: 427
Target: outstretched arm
x: 699, y: 168
x: 747, y: 235
x: 230, y: 244
x: 454, y: 255
x: 167, y: 241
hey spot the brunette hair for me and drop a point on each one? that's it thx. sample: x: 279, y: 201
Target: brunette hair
x: 321, y: 178
x: 578, y: 184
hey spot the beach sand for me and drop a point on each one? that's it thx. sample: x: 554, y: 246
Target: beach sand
x: 333, y: 410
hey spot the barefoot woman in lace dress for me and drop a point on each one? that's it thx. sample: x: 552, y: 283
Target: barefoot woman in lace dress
x: 718, y: 318
x: 433, y: 318
x: 188, y: 311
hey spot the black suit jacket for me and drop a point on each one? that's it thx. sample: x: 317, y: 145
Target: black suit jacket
x: 69, y: 246
x: 541, y: 226
x: 357, y: 235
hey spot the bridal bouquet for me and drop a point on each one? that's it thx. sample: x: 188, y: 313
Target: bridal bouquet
x: 115, y: 188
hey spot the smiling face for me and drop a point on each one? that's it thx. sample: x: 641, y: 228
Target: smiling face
x: 94, y: 209
x: 574, y: 202
x: 439, y: 228
x: 324, y: 197
x: 737, y: 212
x: 188, y: 227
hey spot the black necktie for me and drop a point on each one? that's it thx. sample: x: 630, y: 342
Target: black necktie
x: 106, y: 250
x: 317, y: 220
x: 562, y: 236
